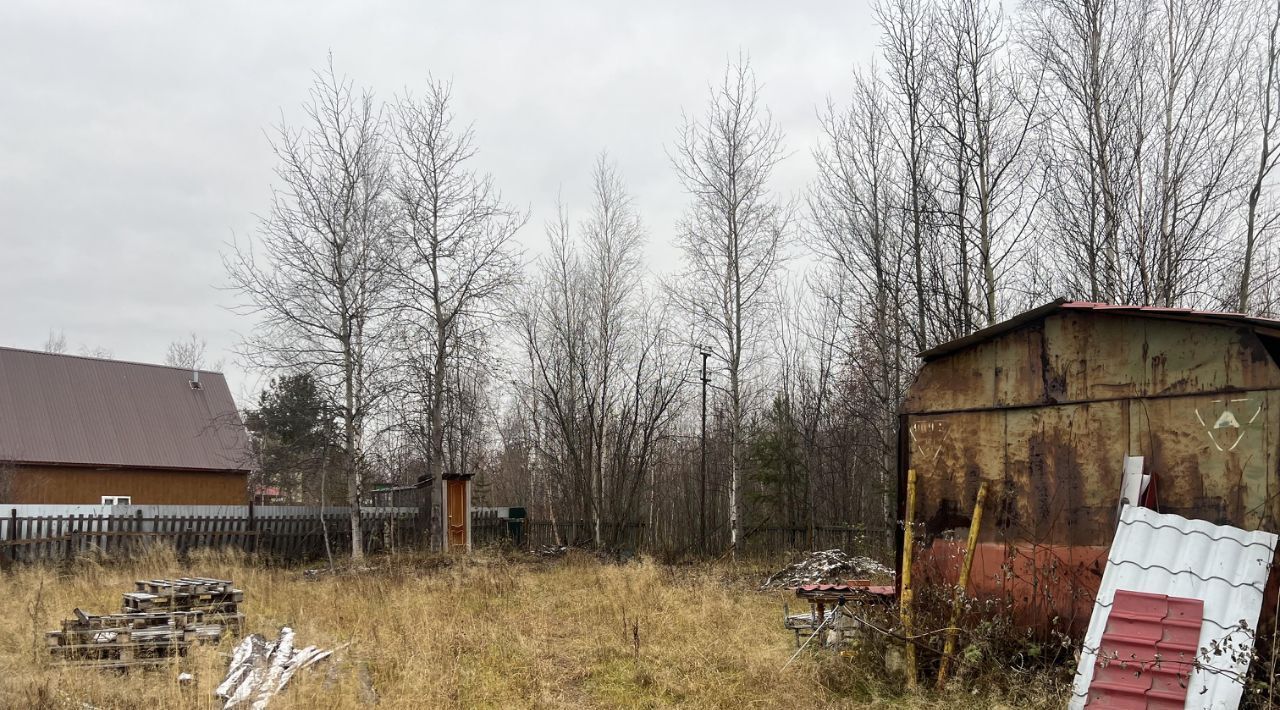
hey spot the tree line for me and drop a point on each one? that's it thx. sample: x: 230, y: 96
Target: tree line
x: 984, y: 162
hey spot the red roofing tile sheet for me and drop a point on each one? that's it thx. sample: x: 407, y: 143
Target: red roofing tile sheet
x: 1147, y: 652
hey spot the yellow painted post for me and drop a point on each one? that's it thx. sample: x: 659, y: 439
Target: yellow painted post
x: 957, y: 603
x: 908, y: 535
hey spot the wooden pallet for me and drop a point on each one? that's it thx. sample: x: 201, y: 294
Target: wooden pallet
x: 144, y: 602
x: 161, y: 620
x: 232, y: 621
x: 217, y: 600
x: 139, y: 620
x: 185, y: 585
x: 127, y: 646
x: 186, y: 593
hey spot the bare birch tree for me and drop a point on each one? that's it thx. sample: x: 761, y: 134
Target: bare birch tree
x: 731, y: 238
x: 553, y: 322
x: 319, y: 279
x: 1264, y: 63
x: 600, y: 351
x: 455, y: 237
x: 1189, y: 179
x: 907, y: 42
x: 993, y: 111
x: 858, y: 230
x: 1091, y: 53
x: 613, y: 237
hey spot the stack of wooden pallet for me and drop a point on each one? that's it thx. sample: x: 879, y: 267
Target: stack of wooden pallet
x: 217, y: 599
x: 161, y: 619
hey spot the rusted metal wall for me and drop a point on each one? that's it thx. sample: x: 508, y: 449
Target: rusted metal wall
x: 74, y: 484
x: 1047, y: 413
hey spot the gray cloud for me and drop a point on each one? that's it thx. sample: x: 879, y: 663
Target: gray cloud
x: 132, y: 140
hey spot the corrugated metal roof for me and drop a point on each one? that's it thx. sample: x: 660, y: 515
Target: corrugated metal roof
x: 1223, y: 566
x: 1149, y: 647
x: 1185, y: 314
x: 67, y: 409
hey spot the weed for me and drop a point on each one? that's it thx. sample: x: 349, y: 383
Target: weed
x: 487, y: 630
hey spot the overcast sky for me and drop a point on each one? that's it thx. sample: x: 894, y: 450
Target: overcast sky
x: 132, y: 143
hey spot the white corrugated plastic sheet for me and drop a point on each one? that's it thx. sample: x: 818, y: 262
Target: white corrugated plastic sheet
x: 1167, y: 554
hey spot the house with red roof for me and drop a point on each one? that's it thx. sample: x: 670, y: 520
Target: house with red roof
x: 83, y: 430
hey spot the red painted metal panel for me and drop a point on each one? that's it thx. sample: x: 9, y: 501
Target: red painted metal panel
x: 1147, y: 652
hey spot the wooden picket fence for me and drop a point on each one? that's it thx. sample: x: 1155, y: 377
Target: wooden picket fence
x: 30, y: 533
x: 772, y: 540
x: 581, y: 533
x: 489, y: 529
x: 763, y: 541
x: 290, y: 533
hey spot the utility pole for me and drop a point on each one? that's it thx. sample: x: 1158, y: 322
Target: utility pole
x: 702, y: 469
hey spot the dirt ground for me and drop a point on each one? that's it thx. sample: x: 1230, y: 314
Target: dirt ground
x: 485, y: 631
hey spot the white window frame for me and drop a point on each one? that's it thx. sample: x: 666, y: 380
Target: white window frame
x: 117, y: 500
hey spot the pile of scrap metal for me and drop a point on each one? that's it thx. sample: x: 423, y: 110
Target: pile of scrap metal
x: 826, y: 567
x: 832, y: 583
x: 260, y: 669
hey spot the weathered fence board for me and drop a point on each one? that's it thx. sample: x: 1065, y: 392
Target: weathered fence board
x: 756, y: 541
x: 47, y: 532
x: 30, y: 533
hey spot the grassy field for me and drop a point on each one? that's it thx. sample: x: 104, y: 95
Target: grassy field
x: 486, y: 631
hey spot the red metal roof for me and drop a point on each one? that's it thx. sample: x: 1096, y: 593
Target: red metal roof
x: 1147, y: 653
x: 1062, y: 304
x: 67, y: 409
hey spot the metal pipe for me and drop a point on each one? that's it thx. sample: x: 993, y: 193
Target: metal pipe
x: 957, y: 603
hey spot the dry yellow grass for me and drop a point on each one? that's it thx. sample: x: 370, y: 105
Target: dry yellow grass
x: 485, y: 631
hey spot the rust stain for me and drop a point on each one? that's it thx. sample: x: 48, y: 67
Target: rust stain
x: 1047, y: 412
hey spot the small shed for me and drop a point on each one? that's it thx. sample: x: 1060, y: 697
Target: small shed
x: 449, y: 503
x: 1047, y: 406
x: 82, y: 430
x: 454, y: 492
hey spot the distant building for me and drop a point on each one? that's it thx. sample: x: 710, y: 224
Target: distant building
x: 450, y: 530
x: 80, y: 430
x: 390, y: 495
x: 268, y: 495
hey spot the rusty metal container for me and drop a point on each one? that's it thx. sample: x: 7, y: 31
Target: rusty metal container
x: 1046, y: 406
